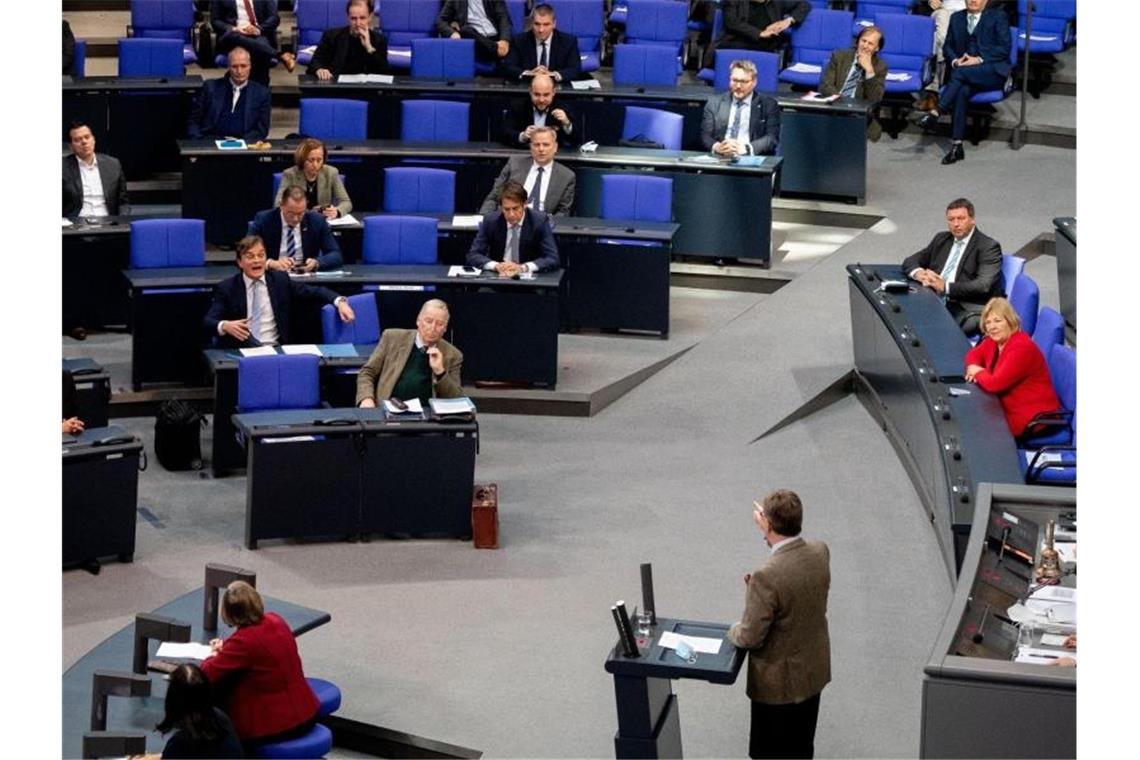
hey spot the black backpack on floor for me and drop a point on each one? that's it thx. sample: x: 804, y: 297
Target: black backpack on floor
x: 176, y: 436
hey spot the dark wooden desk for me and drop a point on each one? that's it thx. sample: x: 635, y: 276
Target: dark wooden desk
x: 138, y: 120
x: 92, y: 389
x: 100, y: 495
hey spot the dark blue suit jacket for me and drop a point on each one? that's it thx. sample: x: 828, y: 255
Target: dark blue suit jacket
x: 317, y: 240
x: 230, y: 303
x: 990, y: 40
x: 561, y: 55
x: 536, y: 243
x: 223, y: 17
x: 212, y: 106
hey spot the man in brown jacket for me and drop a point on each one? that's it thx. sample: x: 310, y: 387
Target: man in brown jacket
x: 784, y: 629
x: 412, y: 363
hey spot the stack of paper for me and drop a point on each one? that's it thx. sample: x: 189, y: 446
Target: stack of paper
x: 445, y: 406
x: 413, y: 404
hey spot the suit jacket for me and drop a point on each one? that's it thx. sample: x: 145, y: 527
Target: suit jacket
x: 536, y: 242
x: 453, y: 15
x: 223, y: 17
x: 521, y: 115
x: 330, y: 190
x: 738, y: 29
x: 317, y: 241
x: 213, y: 104
x: 1019, y: 376
x: 561, y: 55
x: 763, y: 126
x: 990, y: 40
x: 114, y: 185
x: 979, y: 272
x: 784, y: 626
x: 332, y: 53
x: 380, y: 373
x: 259, y: 669
x: 68, y: 50
x: 559, y: 181
x: 229, y: 303
x: 839, y: 65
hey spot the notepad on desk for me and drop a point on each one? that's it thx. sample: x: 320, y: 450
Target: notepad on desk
x: 343, y: 221
x: 466, y: 220
x: 444, y: 407
x: 365, y: 79
x: 190, y: 650
x: 670, y: 640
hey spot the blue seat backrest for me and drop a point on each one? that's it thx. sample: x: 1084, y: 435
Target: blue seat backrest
x: 405, y: 20
x: 909, y: 40
x: 819, y: 34
x: 281, y: 381
x: 365, y: 328
x: 632, y: 196
x: 585, y: 19
x: 394, y: 239
x: 516, y: 9
x: 160, y: 243
x: 334, y: 118
x: 143, y: 57
x: 767, y: 68
x: 171, y: 19
x: 1011, y: 267
x: 80, y: 58
x: 315, y: 16
x: 1050, y: 16
x: 868, y: 10
x: 660, y: 126
x: 1063, y: 373
x: 657, y: 21
x: 419, y: 190
x: 443, y: 59
x: 645, y: 64
x: 1025, y: 298
x: 434, y: 120
x: 1050, y: 330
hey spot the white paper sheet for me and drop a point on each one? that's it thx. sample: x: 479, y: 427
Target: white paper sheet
x: 458, y: 270
x: 259, y: 351
x: 804, y: 68
x: 66, y: 222
x: 414, y: 407
x: 670, y: 640
x: 343, y: 221
x: 899, y: 76
x: 466, y: 220
x: 461, y: 405
x: 189, y: 651
x: 365, y: 79
x: 586, y: 84
x: 302, y: 348
x: 1041, y: 656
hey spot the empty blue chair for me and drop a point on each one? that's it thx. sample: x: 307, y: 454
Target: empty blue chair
x: 416, y: 190
x: 434, y: 120
x: 1050, y: 330
x: 145, y: 57
x: 659, y: 126
x: 767, y: 68
x: 1025, y: 297
x: 1011, y: 267
x: 516, y: 9
x: 398, y: 239
x: 907, y: 45
x: 812, y: 43
x: 316, y: 743
x: 80, y: 58
x: 164, y: 19
x: 707, y: 75
x: 160, y: 243
x: 1042, y: 459
x: 327, y: 692
x: 1054, y: 26
x: 645, y: 65
x: 334, y: 118
x: 865, y: 12
x: 313, y: 18
x: 585, y: 19
x: 279, y: 381
x: 443, y: 59
x: 404, y: 21
x: 365, y: 328
x: 637, y: 196
x: 663, y: 22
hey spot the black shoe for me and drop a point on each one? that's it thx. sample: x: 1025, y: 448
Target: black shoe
x: 955, y: 154
x: 927, y: 122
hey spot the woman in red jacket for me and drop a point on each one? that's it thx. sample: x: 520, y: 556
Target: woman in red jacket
x: 1008, y: 364
x: 267, y: 697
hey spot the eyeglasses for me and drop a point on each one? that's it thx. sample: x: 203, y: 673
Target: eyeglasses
x: 734, y: 80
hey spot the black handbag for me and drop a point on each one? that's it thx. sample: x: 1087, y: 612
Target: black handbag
x: 177, y: 442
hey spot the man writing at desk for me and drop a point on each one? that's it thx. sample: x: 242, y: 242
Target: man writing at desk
x: 517, y: 239
x: 301, y: 239
x: 253, y: 308
x: 412, y: 363
x: 962, y: 265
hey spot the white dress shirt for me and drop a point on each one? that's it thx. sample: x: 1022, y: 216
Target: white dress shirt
x: 94, y: 199
x: 286, y: 231
x: 237, y: 90
x: 267, y: 324
x: 477, y: 17
x: 532, y: 175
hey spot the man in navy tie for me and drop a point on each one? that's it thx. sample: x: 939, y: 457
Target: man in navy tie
x: 962, y: 265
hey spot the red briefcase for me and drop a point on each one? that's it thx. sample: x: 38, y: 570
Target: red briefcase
x: 485, y: 516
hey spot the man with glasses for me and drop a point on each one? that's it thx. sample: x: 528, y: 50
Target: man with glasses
x: 409, y: 364
x: 784, y: 629
x: 741, y: 122
x: 255, y: 306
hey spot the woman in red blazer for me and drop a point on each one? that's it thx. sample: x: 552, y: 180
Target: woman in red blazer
x: 268, y: 698
x: 1008, y: 364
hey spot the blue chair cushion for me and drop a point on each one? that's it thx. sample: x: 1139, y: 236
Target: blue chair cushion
x: 316, y: 743
x: 328, y: 694
x: 1061, y: 470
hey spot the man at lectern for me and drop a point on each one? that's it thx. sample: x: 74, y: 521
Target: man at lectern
x: 784, y: 629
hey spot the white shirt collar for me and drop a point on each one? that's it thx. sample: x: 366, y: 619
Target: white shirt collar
x: 249, y: 281
x: 966, y: 240
x: 82, y: 163
x: 782, y: 543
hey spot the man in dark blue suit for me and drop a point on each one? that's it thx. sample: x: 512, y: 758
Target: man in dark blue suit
x: 515, y: 239
x: 233, y: 106
x: 977, y: 52
x: 543, y: 50
x: 252, y: 25
x: 254, y: 307
x: 297, y: 239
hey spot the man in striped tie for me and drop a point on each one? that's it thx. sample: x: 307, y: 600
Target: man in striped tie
x: 860, y: 73
x: 962, y: 265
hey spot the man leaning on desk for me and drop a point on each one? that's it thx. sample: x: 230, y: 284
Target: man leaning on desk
x: 353, y: 49
x: 255, y: 306
x: 515, y: 239
x: 297, y: 239
x: 410, y: 364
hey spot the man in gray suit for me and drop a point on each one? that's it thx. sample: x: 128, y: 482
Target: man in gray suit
x: 784, y: 629
x: 412, y: 363
x: 741, y: 122
x: 549, y: 185
x: 93, y: 183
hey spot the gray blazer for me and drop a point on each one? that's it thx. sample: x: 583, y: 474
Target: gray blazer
x: 763, y: 122
x: 559, y: 192
x: 330, y: 190
x: 114, y: 185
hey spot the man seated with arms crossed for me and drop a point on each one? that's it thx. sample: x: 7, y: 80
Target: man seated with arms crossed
x: 353, y: 49
x: 962, y: 265
x: 543, y: 50
x: 412, y: 363
x: 300, y: 239
x: 515, y: 239
x: 859, y: 73
x: 253, y: 308
x: 539, y: 110
x: 486, y: 21
x: 549, y: 186
x: 232, y: 106
x: 741, y: 122
x: 93, y: 183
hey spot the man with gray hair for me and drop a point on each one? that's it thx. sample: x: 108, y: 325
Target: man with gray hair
x: 409, y: 364
x: 741, y: 122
